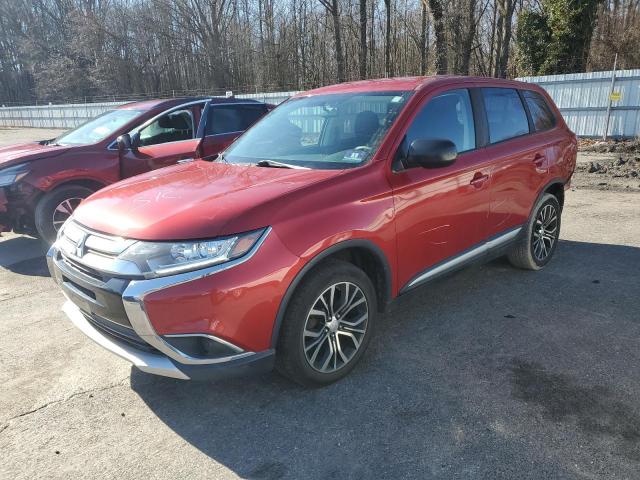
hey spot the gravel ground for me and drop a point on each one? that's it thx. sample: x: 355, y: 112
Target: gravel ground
x: 489, y: 373
x: 9, y: 136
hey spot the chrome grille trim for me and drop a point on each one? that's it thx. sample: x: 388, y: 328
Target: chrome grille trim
x: 95, y: 250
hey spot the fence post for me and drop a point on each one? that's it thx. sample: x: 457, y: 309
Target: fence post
x: 613, y: 83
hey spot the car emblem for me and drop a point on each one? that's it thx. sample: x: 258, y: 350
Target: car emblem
x: 80, y: 245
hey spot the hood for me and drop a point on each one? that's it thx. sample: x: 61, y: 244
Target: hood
x: 26, y: 152
x: 193, y: 201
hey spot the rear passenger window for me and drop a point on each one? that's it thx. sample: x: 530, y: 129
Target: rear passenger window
x: 447, y: 116
x: 541, y: 114
x: 232, y: 118
x: 505, y: 114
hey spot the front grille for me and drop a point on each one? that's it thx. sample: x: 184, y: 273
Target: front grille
x: 119, y: 332
x: 82, y: 268
x: 96, y: 294
x: 95, y: 254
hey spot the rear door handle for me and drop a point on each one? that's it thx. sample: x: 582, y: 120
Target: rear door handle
x: 539, y: 159
x: 479, y: 179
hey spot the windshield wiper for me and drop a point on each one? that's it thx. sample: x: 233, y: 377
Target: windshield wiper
x: 274, y: 164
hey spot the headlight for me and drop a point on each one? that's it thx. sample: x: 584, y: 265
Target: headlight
x: 11, y: 175
x: 167, y: 258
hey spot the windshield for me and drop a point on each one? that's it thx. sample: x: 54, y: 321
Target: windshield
x: 325, y: 131
x: 98, y: 129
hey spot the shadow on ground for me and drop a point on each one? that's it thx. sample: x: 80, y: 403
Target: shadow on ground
x: 23, y: 255
x: 490, y: 372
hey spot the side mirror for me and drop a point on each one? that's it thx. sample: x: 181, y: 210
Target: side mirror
x: 128, y: 142
x: 431, y: 153
x: 124, y: 142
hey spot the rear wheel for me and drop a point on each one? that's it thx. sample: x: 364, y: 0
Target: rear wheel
x: 538, y: 243
x: 328, y: 324
x: 55, y: 207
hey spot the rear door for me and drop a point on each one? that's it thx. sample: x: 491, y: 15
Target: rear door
x: 518, y: 160
x: 164, y: 140
x: 222, y: 123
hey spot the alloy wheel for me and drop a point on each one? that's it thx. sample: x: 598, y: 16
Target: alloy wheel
x: 545, y: 232
x: 64, y: 211
x: 335, y: 327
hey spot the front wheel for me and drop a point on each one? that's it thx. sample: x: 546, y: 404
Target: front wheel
x: 55, y: 207
x: 328, y: 324
x: 539, y: 240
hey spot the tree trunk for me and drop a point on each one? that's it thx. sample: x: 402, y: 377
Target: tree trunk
x: 492, y: 39
x: 339, y: 52
x: 441, y: 41
x: 387, y: 48
x: 333, y: 8
x: 363, y: 39
x: 506, y: 10
x: 423, y: 39
x: 470, y: 33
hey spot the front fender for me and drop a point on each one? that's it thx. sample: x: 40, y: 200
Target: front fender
x: 317, y: 257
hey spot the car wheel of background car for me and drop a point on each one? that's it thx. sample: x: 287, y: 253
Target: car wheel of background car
x: 328, y: 324
x: 55, y: 207
x: 538, y: 243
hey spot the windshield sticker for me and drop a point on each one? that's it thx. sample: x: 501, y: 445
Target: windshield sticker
x: 356, y: 155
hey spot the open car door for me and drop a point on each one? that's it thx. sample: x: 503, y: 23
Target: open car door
x: 165, y: 140
x: 222, y: 123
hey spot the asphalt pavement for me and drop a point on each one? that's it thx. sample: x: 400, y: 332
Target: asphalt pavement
x: 490, y: 373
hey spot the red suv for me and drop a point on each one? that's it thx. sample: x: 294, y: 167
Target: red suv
x: 285, y: 249
x: 42, y: 183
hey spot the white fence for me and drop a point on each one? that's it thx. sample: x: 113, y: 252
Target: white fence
x: 72, y: 115
x: 583, y: 99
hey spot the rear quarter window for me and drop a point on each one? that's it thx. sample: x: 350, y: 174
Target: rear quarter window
x: 541, y: 113
x: 505, y: 114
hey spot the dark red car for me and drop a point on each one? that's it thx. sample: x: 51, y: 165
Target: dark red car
x: 42, y: 183
x: 286, y: 248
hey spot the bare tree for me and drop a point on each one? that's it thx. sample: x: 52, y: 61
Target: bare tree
x: 334, y: 10
x: 388, y: 70
x: 439, y: 29
x: 55, y: 50
x: 363, y: 39
x: 424, y: 35
x: 505, y: 10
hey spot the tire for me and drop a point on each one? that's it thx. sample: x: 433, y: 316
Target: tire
x: 295, y: 350
x: 59, y: 202
x: 532, y: 252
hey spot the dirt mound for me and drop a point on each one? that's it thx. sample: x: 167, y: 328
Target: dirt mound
x: 622, y: 172
x: 613, y: 146
x: 622, y: 167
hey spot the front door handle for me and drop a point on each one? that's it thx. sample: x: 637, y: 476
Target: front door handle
x: 478, y: 179
x: 186, y: 160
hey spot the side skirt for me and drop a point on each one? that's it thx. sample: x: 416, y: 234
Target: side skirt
x: 484, y: 250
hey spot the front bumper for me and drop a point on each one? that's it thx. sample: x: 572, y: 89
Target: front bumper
x: 112, y: 313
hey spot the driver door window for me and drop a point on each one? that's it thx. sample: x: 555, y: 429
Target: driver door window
x: 175, y: 126
x: 447, y: 116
